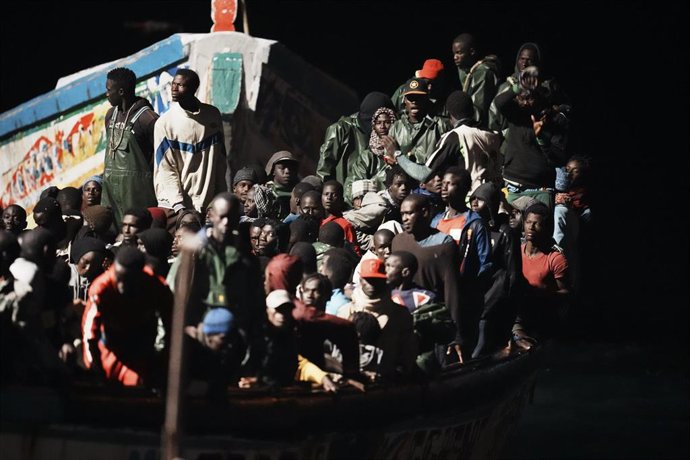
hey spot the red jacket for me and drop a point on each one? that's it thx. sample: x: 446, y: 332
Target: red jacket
x: 125, y: 327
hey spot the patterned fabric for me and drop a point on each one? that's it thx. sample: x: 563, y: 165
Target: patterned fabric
x: 362, y: 187
x: 265, y: 200
x: 375, y: 143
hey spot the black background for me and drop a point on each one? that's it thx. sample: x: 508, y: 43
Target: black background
x: 622, y: 64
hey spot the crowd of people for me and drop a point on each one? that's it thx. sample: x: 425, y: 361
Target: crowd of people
x: 439, y: 227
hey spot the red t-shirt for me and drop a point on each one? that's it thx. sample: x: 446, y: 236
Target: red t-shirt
x: 453, y: 226
x: 542, y: 270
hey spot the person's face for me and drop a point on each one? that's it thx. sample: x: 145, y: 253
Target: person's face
x: 526, y: 58
x: 416, y: 106
x: 382, y: 124
x: 462, y: 55
x: 312, y: 295
x: 478, y: 205
x: 373, y: 287
x: 241, y: 189
x: 178, y: 240
x: 310, y: 208
x: 14, y: 220
x: 91, y: 193
x: 113, y: 92
x: 294, y: 203
x: 255, y: 238
x: 215, y: 341
x: 394, y: 271
x: 189, y: 218
x: 574, y: 170
x: 224, y: 220
x: 140, y: 245
x: 127, y: 280
x: 525, y: 101
x: 382, y: 246
x: 284, y: 172
x: 268, y: 236
x: 249, y: 204
x: 331, y: 199
x: 413, y: 216
x: 131, y: 225
x: 357, y: 203
x: 279, y: 317
x: 433, y: 185
x: 89, y: 265
x: 515, y: 219
x: 534, y: 227
x: 399, y: 188
x: 450, y: 188
x: 181, y: 88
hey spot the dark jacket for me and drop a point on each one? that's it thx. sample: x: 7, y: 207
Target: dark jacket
x: 529, y: 160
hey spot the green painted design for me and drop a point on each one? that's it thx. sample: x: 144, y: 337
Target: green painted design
x: 226, y: 81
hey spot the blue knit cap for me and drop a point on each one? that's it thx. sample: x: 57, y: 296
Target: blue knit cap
x: 218, y: 321
x: 96, y: 178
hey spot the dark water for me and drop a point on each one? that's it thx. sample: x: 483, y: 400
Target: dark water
x: 608, y: 400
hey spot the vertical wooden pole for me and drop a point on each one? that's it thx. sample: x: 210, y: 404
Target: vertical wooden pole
x: 245, y: 17
x: 174, y: 404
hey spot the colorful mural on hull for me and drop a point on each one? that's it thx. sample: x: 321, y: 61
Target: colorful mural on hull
x: 66, y: 151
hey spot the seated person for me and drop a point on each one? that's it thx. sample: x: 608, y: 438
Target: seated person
x: 398, y: 186
x: 401, y: 266
x: 337, y: 267
x: 359, y: 189
x: 333, y: 204
x: 397, y: 339
x: 295, y: 197
x: 382, y: 248
x: 367, y: 219
x: 120, y: 322
x: 216, y: 351
x: 546, y: 270
x: 243, y: 181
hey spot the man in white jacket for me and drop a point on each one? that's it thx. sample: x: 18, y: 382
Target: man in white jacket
x: 190, y: 158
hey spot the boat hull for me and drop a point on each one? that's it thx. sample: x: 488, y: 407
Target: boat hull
x: 465, y: 413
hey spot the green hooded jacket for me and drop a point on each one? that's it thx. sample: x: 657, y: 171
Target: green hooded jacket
x: 344, y: 142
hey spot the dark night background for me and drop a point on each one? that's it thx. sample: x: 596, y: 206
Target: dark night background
x: 617, y: 382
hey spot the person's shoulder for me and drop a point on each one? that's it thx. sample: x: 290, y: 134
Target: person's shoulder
x: 209, y: 108
x: 102, y: 283
x: 488, y: 64
x: 109, y: 114
x: 556, y: 254
x: 345, y: 123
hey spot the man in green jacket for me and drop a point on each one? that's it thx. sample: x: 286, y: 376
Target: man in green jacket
x: 478, y: 77
x: 417, y: 131
x: 347, y: 138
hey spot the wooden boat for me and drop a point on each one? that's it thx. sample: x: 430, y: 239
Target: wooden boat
x: 465, y: 412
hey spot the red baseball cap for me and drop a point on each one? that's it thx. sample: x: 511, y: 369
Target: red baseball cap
x: 372, y: 268
x: 430, y: 69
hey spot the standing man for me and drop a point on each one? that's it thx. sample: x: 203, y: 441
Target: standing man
x: 190, y: 151
x: 478, y: 76
x: 128, y: 175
